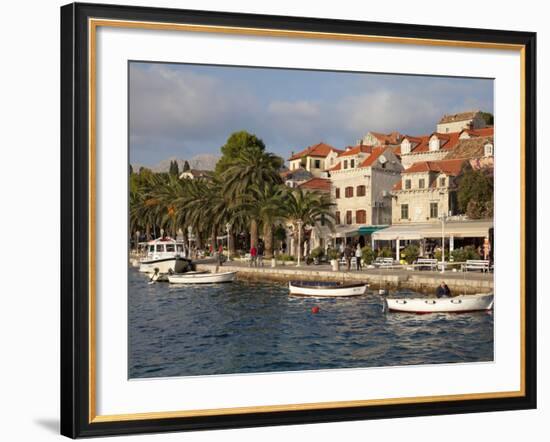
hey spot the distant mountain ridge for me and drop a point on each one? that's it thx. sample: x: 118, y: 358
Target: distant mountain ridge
x: 201, y: 162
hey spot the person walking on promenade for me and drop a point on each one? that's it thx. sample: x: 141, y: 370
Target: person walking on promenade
x: 260, y: 257
x: 347, y: 254
x: 253, y: 256
x: 358, y: 256
x: 341, y: 249
x: 443, y: 291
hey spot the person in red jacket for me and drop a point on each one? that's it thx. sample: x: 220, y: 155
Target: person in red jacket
x: 253, y: 256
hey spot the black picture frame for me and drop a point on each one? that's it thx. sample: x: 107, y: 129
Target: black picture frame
x: 75, y: 220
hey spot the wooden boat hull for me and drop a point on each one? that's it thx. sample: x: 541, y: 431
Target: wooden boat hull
x: 202, y: 278
x: 457, y: 304
x: 327, y: 291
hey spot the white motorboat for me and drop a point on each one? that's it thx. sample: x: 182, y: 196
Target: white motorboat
x: 201, y: 277
x: 321, y: 290
x: 164, y: 255
x: 455, y: 304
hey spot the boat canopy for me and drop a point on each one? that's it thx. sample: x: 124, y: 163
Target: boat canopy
x: 457, y: 229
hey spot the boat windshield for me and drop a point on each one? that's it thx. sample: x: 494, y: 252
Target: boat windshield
x: 179, y: 247
x: 151, y: 249
x: 160, y: 247
x: 170, y: 247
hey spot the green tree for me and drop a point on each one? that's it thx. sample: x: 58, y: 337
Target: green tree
x: 410, y: 253
x: 368, y: 255
x: 252, y: 167
x: 266, y: 204
x: 186, y: 166
x: 488, y: 117
x: 309, y: 208
x: 235, y: 144
x: 174, y: 168
x: 475, y: 194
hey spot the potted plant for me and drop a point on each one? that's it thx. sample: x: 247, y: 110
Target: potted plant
x: 316, y: 254
x: 333, y: 256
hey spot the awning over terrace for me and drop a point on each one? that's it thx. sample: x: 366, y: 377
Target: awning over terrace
x: 457, y: 229
x: 349, y: 231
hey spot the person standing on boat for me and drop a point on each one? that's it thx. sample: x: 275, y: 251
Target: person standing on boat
x: 443, y: 290
x: 358, y: 256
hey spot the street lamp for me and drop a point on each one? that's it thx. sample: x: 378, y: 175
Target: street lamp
x: 443, y: 218
x: 189, y: 232
x: 300, y: 223
x: 228, y: 229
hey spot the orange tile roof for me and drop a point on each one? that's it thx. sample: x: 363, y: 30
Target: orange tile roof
x: 317, y: 150
x: 391, y: 138
x: 322, y: 184
x: 397, y: 186
x: 337, y: 167
x: 376, y: 152
x: 483, y: 132
x: 354, y: 150
x: 448, y: 167
x: 446, y: 142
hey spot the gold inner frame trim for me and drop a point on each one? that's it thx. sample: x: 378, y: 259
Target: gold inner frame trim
x: 93, y: 24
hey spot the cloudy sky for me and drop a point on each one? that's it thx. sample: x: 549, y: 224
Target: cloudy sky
x: 179, y: 110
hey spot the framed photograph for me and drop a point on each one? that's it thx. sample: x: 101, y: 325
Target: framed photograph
x: 273, y: 220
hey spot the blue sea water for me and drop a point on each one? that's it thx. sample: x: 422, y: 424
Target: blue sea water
x: 252, y: 327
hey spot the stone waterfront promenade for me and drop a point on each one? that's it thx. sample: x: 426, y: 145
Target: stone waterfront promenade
x: 389, y: 279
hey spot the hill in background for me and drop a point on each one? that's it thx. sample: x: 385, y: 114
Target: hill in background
x: 201, y: 162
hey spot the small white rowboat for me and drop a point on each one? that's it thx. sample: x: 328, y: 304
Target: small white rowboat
x: 201, y: 278
x: 326, y: 290
x: 456, y: 304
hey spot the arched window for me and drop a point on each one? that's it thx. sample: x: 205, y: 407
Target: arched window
x: 349, y: 217
x: 337, y: 192
x: 361, y: 217
x: 337, y: 218
x: 349, y: 192
x: 361, y: 190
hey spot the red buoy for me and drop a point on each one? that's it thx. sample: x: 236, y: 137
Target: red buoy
x: 315, y: 309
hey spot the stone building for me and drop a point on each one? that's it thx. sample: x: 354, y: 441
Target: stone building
x: 315, y: 159
x: 193, y: 174
x: 458, y: 122
x: 426, y: 191
x: 380, y: 139
x: 477, y: 146
x: 360, y: 185
x: 293, y: 178
x: 432, y: 147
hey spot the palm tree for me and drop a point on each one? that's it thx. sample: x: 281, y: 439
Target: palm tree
x: 309, y: 208
x: 144, y: 207
x: 266, y: 203
x: 194, y: 202
x: 169, y: 188
x: 252, y: 167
